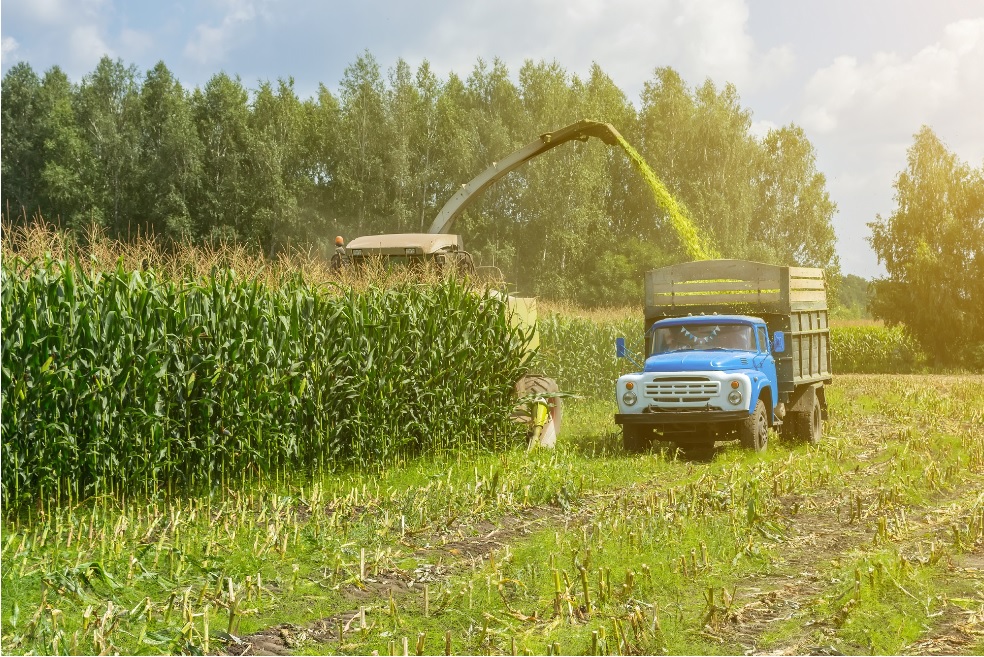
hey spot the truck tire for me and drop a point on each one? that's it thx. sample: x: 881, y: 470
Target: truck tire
x: 636, y: 439
x: 536, y: 384
x: 809, y: 426
x: 753, y: 432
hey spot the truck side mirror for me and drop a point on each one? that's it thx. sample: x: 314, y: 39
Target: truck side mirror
x: 778, y: 342
x: 620, y: 351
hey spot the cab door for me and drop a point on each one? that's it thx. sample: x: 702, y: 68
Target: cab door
x: 765, y: 363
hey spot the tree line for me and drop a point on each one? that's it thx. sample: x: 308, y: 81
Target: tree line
x: 932, y: 247
x: 139, y: 152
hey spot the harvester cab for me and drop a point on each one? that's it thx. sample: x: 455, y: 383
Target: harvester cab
x: 445, y: 252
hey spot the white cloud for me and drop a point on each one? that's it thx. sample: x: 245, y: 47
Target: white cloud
x: 716, y: 44
x: 70, y: 33
x: 61, y: 12
x: 86, y: 46
x: 211, y: 43
x: 888, y: 92
x: 627, y: 38
x: 760, y: 129
x: 135, y: 42
x: 46, y: 11
x: 8, y: 48
x: 862, y: 114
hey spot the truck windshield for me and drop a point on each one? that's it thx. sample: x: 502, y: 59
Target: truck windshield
x: 703, y: 336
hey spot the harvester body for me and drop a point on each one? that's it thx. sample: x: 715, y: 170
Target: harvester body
x: 540, y: 404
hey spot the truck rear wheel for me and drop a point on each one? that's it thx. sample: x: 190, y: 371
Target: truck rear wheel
x: 636, y: 439
x: 753, y: 432
x: 809, y: 426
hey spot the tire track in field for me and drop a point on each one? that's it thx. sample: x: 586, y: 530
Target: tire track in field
x: 452, y: 556
x: 454, y: 553
x: 820, y: 538
x: 796, y: 586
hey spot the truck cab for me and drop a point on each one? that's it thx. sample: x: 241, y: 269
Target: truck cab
x: 707, y: 370
x: 711, y: 374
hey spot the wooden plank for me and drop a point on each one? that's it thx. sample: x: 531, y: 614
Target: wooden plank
x: 711, y: 299
x: 814, y: 331
x: 810, y: 305
x: 806, y: 284
x: 807, y: 295
x: 716, y: 286
x: 805, y: 272
x: 704, y: 270
x: 655, y: 313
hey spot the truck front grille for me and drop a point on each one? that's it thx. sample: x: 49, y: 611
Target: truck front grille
x: 682, y: 390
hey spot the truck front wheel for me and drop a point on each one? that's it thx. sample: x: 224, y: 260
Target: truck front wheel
x: 754, y: 431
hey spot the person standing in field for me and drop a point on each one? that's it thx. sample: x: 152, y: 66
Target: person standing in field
x: 341, y: 257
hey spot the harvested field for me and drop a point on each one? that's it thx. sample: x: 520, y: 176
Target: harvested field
x: 872, y: 541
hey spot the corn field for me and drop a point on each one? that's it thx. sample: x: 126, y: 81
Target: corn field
x: 875, y: 350
x: 579, y: 352
x: 124, y: 381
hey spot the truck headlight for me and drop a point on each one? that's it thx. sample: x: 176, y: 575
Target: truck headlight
x: 734, y: 397
x: 629, y: 398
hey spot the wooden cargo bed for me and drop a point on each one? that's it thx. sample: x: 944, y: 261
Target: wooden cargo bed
x: 790, y: 299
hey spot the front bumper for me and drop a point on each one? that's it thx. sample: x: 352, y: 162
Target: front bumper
x: 682, y: 417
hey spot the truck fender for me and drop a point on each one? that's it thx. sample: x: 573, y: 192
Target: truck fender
x: 761, y: 389
x: 822, y: 396
x: 765, y: 394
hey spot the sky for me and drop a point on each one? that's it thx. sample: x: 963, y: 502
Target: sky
x: 861, y: 77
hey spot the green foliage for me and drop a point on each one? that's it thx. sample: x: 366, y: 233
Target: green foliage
x: 170, y: 164
x: 21, y: 141
x: 136, y: 154
x: 875, y: 350
x: 792, y: 220
x: 580, y: 352
x: 853, y: 298
x: 931, y: 248
x: 108, y: 110
x: 616, y: 276
x: 125, y: 381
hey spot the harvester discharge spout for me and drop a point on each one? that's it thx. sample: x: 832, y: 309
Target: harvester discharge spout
x: 580, y: 131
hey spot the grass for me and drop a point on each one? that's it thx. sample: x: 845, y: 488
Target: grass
x: 678, y: 557
x: 869, y: 542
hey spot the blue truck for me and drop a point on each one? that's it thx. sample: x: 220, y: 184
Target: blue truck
x: 732, y: 349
